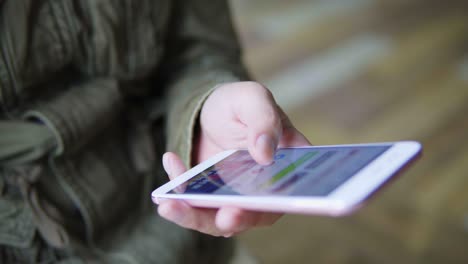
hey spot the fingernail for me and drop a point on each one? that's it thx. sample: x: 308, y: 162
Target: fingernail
x: 266, y: 143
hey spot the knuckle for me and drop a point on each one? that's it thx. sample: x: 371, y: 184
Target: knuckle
x: 261, y: 90
x: 255, y: 87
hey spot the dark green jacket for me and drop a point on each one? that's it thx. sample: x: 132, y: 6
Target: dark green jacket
x: 89, y: 90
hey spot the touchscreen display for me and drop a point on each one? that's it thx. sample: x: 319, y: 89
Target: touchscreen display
x: 301, y: 172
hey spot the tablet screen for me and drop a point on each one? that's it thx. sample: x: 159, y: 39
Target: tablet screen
x: 314, y: 171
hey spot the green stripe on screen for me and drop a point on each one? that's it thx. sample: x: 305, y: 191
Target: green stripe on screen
x: 292, y: 166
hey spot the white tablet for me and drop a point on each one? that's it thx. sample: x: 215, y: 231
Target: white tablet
x: 325, y: 180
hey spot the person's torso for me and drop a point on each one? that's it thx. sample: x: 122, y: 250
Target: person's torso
x: 63, y: 62
x: 40, y: 39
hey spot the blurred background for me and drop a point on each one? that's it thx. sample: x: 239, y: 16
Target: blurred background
x: 350, y: 71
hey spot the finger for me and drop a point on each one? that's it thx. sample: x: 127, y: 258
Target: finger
x: 173, y: 165
x: 182, y: 214
x: 226, y: 221
x: 233, y: 220
x: 258, y: 112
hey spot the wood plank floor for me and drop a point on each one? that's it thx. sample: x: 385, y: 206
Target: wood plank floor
x: 349, y: 71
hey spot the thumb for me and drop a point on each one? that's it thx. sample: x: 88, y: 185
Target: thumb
x: 263, y: 147
x: 264, y: 129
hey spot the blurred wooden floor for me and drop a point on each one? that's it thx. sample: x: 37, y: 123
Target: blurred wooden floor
x: 351, y: 71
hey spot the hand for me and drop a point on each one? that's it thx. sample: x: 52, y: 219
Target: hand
x: 235, y: 115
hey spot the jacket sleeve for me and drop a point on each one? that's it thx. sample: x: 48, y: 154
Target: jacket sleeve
x: 203, y: 51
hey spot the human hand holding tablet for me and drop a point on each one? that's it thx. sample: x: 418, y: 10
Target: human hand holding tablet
x: 323, y: 180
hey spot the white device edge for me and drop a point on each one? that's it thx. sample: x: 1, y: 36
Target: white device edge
x: 339, y: 202
x: 163, y: 189
x: 376, y: 173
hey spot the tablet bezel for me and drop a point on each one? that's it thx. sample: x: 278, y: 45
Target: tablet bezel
x: 342, y: 200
